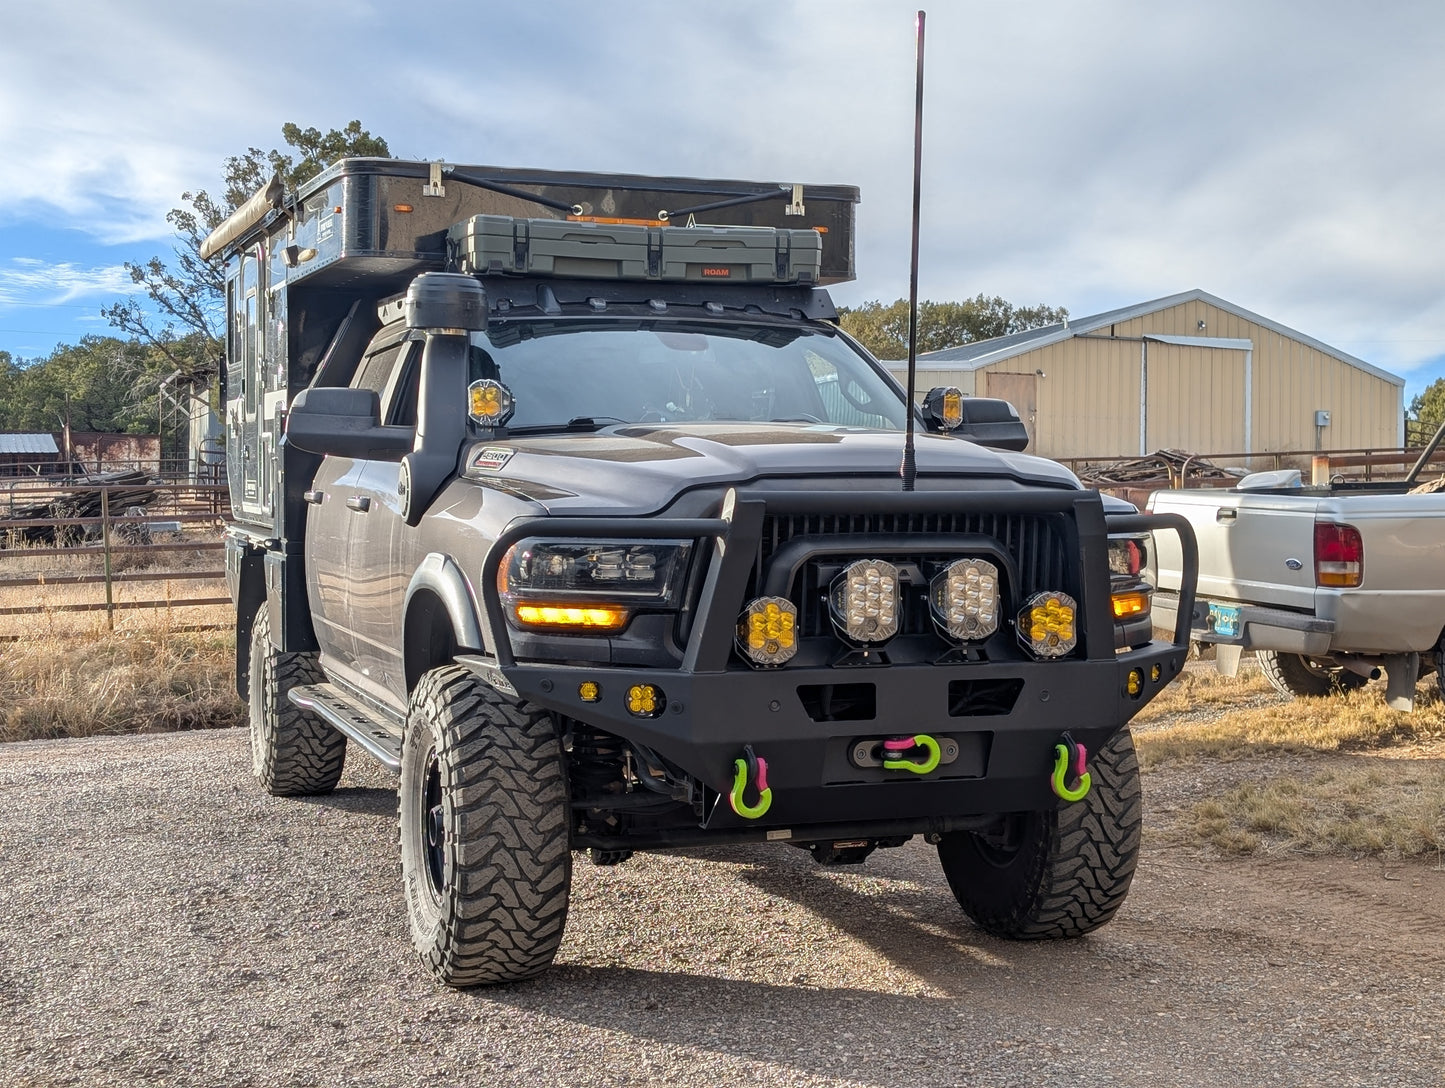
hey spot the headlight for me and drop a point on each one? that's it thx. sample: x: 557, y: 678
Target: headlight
x: 590, y: 585
x: 863, y: 601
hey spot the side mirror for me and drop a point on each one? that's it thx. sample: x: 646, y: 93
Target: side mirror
x: 346, y: 423
x: 987, y: 421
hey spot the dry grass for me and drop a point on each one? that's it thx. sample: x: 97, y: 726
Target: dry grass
x: 150, y: 680
x: 1307, y: 776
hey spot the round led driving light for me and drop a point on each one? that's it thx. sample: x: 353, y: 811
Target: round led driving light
x: 863, y: 600
x: 964, y: 599
x: 768, y: 631
x: 1046, y: 624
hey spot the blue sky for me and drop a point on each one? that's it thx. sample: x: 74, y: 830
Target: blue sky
x: 1285, y: 156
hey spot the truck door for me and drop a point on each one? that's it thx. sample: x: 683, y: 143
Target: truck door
x: 247, y: 340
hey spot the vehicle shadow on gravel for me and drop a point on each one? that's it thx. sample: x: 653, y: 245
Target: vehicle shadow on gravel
x: 361, y: 800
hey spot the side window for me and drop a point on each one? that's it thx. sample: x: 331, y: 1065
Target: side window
x: 375, y: 369
x: 398, y: 403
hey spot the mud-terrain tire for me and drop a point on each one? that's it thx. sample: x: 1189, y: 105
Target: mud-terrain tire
x: 293, y: 752
x: 1296, y: 675
x: 485, y: 824
x: 1064, y: 872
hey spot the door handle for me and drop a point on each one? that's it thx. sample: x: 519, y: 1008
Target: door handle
x: 313, y: 496
x: 359, y: 502
x: 1226, y: 513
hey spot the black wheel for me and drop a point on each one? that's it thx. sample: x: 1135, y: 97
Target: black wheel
x: 1296, y: 674
x: 485, y: 820
x: 292, y: 751
x: 1060, y: 873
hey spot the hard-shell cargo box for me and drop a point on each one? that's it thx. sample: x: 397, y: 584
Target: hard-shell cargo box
x: 384, y: 221
x: 491, y: 244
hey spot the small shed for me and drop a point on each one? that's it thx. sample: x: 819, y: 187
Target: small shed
x: 1190, y: 371
x: 28, y: 454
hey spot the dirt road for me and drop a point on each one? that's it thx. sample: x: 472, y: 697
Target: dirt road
x: 164, y: 922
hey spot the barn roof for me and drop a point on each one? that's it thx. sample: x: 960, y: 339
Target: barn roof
x: 983, y: 352
x: 28, y: 443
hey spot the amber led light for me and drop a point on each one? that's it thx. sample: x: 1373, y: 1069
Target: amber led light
x: 580, y: 617
x: 1130, y: 604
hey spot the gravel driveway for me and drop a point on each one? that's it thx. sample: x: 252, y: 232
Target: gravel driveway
x: 162, y: 921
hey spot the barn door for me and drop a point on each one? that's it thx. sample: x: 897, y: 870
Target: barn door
x: 1194, y: 399
x: 1022, y: 391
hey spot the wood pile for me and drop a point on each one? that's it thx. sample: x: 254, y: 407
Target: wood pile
x: 129, y: 490
x: 1161, y: 468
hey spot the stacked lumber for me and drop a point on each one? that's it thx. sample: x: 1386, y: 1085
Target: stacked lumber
x: 1161, y: 468
x: 128, y: 490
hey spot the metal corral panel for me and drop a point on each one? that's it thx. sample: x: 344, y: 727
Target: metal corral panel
x: 28, y: 443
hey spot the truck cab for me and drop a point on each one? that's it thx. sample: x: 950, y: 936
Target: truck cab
x: 590, y: 526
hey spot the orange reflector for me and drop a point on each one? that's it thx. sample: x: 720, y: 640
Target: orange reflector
x: 402, y: 208
x: 583, y: 617
x: 1130, y: 604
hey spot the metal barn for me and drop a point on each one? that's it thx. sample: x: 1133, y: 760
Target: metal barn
x: 1190, y: 372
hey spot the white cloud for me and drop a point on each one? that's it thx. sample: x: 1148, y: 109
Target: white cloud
x: 25, y: 281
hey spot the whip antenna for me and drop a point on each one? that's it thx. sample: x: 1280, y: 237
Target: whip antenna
x: 909, y: 469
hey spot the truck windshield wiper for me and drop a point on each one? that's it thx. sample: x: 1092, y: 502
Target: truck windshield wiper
x: 584, y: 424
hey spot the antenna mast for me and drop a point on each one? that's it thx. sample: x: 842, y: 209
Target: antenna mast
x: 909, y: 469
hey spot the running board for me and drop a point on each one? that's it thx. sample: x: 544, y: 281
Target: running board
x: 369, y: 728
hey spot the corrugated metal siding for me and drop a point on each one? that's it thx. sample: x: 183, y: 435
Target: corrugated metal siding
x: 1195, y: 399
x: 28, y: 443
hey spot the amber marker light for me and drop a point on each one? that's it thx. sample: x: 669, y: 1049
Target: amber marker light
x: 403, y: 208
x: 589, y: 691
x: 576, y: 617
x: 1130, y: 604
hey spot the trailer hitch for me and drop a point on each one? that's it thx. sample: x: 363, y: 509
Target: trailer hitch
x: 1070, y: 756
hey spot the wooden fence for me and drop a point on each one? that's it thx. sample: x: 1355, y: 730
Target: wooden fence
x: 171, y: 511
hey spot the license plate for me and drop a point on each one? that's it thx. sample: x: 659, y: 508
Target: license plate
x: 1224, y: 620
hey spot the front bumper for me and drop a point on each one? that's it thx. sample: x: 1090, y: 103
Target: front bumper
x: 1004, y: 717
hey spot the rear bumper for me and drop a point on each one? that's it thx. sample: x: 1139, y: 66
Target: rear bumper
x: 1260, y: 628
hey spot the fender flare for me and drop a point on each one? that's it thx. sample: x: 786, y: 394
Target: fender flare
x: 440, y: 575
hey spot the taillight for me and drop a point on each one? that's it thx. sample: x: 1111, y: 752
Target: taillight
x: 1339, y: 556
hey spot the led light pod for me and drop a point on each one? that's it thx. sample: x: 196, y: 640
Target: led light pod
x: 1046, y: 624
x: 863, y: 600
x: 490, y: 403
x: 964, y: 599
x: 768, y: 631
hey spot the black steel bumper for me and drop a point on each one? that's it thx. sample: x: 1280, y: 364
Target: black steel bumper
x: 1004, y: 717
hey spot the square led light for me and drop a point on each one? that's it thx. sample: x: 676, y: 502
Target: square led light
x: 964, y: 599
x: 863, y: 600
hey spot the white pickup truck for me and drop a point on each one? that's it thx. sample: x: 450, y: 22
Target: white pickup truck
x: 1329, y: 585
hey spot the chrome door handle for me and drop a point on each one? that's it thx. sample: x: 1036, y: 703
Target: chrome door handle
x: 359, y: 502
x: 1226, y: 513
x: 313, y: 496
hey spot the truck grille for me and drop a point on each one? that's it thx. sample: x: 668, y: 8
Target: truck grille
x: 1035, y: 543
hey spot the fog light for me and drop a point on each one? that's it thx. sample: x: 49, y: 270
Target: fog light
x: 768, y: 631
x: 863, y: 601
x: 1135, y: 684
x: 1046, y: 624
x: 1155, y: 672
x: 964, y: 599
x: 645, y: 701
x: 589, y: 691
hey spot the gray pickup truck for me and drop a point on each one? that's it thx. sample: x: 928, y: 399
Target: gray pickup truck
x: 590, y: 526
x: 1330, y: 585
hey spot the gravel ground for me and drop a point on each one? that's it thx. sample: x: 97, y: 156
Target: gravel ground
x: 162, y: 921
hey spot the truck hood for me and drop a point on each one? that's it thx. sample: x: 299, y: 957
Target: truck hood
x: 641, y: 468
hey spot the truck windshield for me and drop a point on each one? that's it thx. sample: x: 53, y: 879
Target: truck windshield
x: 647, y: 372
